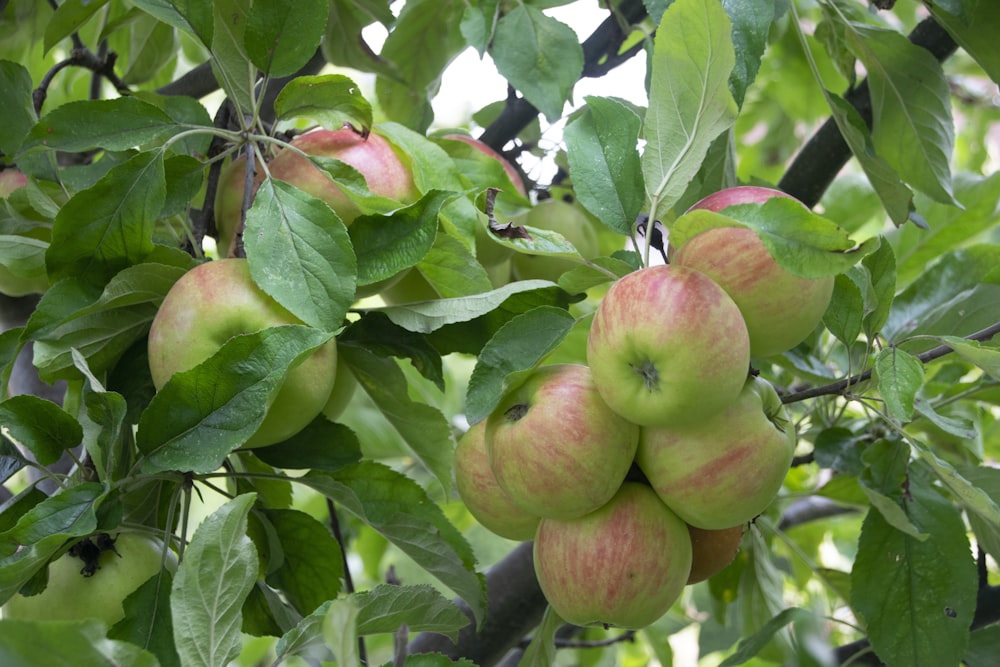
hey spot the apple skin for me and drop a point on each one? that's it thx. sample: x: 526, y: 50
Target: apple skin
x: 668, y: 346
x: 478, y: 488
x: 10, y: 180
x: 410, y: 288
x: 712, y: 551
x: 384, y: 170
x: 563, y: 217
x: 215, y: 301
x: 622, y: 565
x: 555, y: 447
x: 71, y: 596
x: 512, y: 172
x: 725, y: 470
x: 345, y: 385
x: 780, y: 308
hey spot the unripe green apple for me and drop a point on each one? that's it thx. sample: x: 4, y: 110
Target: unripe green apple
x: 726, y: 469
x: 668, y: 346
x: 570, y: 221
x: 780, y: 308
x: 71, y: 595
x: 215, y: 301
x: 712, y: 550
x: 477, y: 487
x: 555, y: 447
x: 410, y: 288
x: 622, y: 565
x: 384, y: 171
x: 345, y: 385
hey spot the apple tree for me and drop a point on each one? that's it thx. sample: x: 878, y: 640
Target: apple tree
x: 440, y: 272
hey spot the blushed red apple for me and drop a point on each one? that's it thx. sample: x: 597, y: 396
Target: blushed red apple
x: 623, y: 565
x: 668, y: 346
x: 555, y: 447
x: 478, y: 488
x: 780, y: 308
x: 726, y: 469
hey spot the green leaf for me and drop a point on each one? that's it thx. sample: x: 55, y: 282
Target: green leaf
x: 216, y: 576
x: 376, y: 333
x: 77, y: 643
x: 880, y: 270
x: 540, y: 56
x: 109, y: 226
x: 312, y: 564
x: 152, y: 47
x: 690, y: 103
x: 230, y: 63
x: 986, y: 358
x: 340, y: 630
x: 429, y: 316
x: 423, y: 609
x: 147, y: 621
x: 519, y: 345
x: 451, y: 269
x: 845, y: 313
x: 41, y: 426
x: 300, y: 254
x: 912, y: 125
x: 116, y: 125
x: 755, y: 643
x: 751, y: 21
x: 395, y: 506
x: 541, y: 652
x: 386, y: 245
x: 199, y: 416
x: 15, y: 106
x: 68, y: 18
x: 281, y: 37
x: 976, y: 500
x: 424, y: 429
x: 192, y: 16
x: 329, y: 99
x: 71, y: 512
x: 607, y: 174
x: 322, y: 445
x: 916, y: 598
x: 900, y: 376
x: 975, y: 29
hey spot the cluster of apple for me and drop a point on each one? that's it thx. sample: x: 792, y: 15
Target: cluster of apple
x: 666, y: 391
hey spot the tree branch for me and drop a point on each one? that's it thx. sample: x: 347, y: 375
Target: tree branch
x: 841, y: 387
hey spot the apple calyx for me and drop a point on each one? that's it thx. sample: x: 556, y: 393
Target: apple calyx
x: 647, y: 371
x: 517, y: 412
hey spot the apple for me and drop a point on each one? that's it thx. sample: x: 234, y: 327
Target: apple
x: 385, y: 173
x: 410, y: 288
x: 72, y: 595
x: 345, y: 385
x: 215, y: 301
x: 724, y: 470
x: 555, y: 447
x: 512, y: 173
x: 10, y: 180
x: 622, y: 565
x: 478, y: 488
x: 668, y: 346
x: 570, y: 221
x: 780, y: 308
x: 712, y: 550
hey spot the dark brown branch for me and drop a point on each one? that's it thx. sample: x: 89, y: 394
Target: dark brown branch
x: 80, y: 56
x: 841, y: 387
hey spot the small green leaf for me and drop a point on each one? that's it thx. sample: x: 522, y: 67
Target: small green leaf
x: 281, y: 37
x: 386, y: 245
x: 986, y: 358
x: 117, y: 125
x: 519, y: 345
x: 71, y: 512
x: 15, y: 106
x: 539, y: 55
x: 541, y: 652
x: 974, y: 26
x: 329, y: 99
x: 218, y: 571
x: 41, y: 426
x: 845, y: 313
x: 300, y: 254
x: 199, y: 416
x: 147, y: 621
x: 755, y: 643
x: 340, y: 630
x: 429, y: 316
x: 312, y: 564
x: 192, y: 16
x: 230, y: 63
x: 322, y: 445
x: 68, y: 18
x: 900, y: 376
x: 422, y: 608
x: 109, y: 227
x: 601, y: 146
x: 751, y: 21
x: 916, y: 598
x: 690, y: 102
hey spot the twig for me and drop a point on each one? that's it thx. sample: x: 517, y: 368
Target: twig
x: 841, y: 387
x: 348, y: 580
